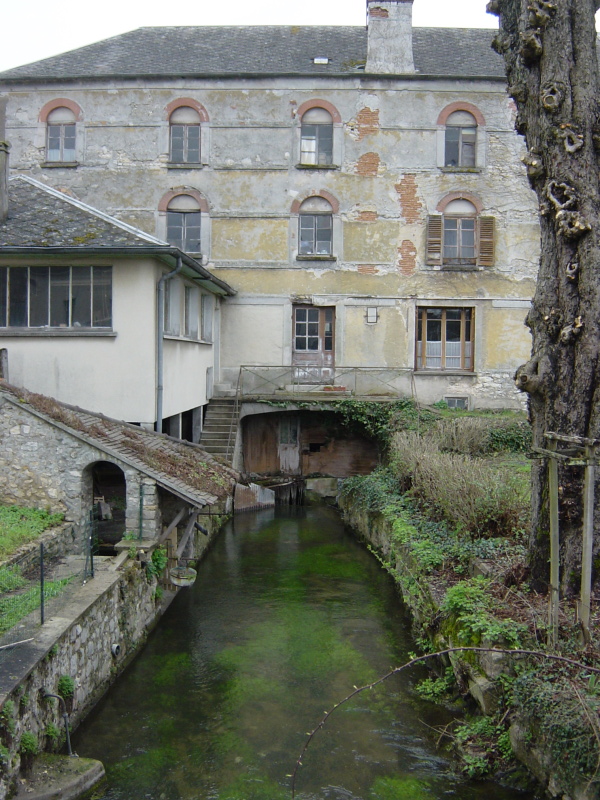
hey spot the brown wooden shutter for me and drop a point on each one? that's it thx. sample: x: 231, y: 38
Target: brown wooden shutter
x: 433, y: 255
x: 486, y: 242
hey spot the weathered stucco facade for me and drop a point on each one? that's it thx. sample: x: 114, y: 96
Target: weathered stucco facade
x: 387, y: 172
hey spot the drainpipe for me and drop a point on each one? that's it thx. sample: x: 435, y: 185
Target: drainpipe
x: 159, y: 343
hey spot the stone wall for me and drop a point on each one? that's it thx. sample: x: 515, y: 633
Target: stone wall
x: 43, y: 465
x: 92, y: 641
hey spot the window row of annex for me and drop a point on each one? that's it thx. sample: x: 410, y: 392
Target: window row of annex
x: 359, y: 188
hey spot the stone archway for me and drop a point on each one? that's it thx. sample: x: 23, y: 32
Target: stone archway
x: 105, y: 502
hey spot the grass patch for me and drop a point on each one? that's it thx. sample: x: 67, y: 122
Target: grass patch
x: 20, y: 525
x: 16, y: 606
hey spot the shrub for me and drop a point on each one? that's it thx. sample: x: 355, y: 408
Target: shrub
x: 29, y: 744
x: 477, y: 436
x: 158, y: 562
x: 469, y: 494
x: 468, y: 605
x: 66, y: 686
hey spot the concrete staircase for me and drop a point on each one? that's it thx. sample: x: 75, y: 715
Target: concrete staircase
x: 221, y: 418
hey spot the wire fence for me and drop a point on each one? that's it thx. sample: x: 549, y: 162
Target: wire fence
x: 35, y: 585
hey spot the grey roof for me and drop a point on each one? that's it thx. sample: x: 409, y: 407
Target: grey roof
x: 39, y: 216
x: 257, y: 50
x: 183, y: 468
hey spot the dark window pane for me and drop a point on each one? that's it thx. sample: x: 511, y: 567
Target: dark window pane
x: 68, y: 142
x: 81, y: 297
x: 313, y: 343
x: 301, y: 314
x: 17, y: 310
x: 59, y: 297
x: 300, y: 343
x: 192, y: 231
x: 434, y: 331
x: 39, y: 282
x: 3, y: 295
x: 193, y: 144
x: 177, y: 143
x: 102, y: 297
x: 452, y: 331
x: 452, y: 146
x: 325, y: 144
x: 175, y: 228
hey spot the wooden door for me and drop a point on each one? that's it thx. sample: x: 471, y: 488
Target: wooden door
x: 313, y: 344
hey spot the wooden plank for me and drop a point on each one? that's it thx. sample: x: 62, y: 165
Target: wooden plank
x: 582, y: 441
x: 588, y: 543
x: 186, y: 535
x: 177, y: 519
x: 554, y: 549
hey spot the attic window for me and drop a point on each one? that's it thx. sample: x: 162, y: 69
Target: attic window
x: 321, y: 60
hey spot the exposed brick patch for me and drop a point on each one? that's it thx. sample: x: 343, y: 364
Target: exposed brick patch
x: 410, y: 204
x: 382, y: 13
x: 368, y: 165
x: 367, y: 216
x: 368, y: 122
x: 407, y: 257
x: 367, y: 269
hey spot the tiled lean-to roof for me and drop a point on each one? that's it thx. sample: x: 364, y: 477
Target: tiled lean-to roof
x: 260, y: 50
x: 183, y: 468
x: 39, y: 216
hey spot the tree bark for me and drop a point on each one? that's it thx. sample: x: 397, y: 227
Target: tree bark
x: 549, y: 47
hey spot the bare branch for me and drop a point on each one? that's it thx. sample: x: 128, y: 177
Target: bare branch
x: 420, y: 660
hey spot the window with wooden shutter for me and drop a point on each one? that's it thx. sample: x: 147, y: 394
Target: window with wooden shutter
x: 434, y: 240
x: 486, y: 242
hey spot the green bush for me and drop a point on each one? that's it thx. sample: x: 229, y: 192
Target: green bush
x: 468, y: 606
x: 158, y: 562
x: 29, y: 744
x: 66, y: 686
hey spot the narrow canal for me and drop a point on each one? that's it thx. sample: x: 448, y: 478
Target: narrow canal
x: 287, y: 614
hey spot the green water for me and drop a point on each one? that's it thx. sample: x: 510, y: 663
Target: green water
x: 287, y: 614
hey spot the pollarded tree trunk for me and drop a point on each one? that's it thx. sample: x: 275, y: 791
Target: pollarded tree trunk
x: 549, y: 47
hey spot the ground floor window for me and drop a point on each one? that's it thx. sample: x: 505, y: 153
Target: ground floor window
x: 444, y: 338
x: 55, y: 297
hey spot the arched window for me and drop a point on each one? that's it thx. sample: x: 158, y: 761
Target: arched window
x: 184, y: 136
x: 459, y: 237
x: 61, y: 135
x: 315, y: 228
x: 461, y: 140
x: 316, y: 138
x: 183, y: 223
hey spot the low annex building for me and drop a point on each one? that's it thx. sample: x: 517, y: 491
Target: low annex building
x: 68, y: 460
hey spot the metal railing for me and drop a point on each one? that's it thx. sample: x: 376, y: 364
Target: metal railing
x: 373, y: 382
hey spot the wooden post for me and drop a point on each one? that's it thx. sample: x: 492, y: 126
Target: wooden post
x: 554, y: 547
x: 588, y: 540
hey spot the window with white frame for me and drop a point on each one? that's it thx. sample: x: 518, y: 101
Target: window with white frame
x: 316, y: 138
x: 56, y: 297
x: 61, y: 135
x: 184, y: 136
x: 315, y: 227
x: 184, y: 223
x: 444, y: 339
x: 191, y: 312
x: 460, y: 237
x: 461, y: 140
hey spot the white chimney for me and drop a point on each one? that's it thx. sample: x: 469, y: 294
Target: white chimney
x: 389, y: 25
x: 4, y: 147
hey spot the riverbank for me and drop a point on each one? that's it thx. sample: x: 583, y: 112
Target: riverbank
x: 79, y: 652
x: 553, y: 736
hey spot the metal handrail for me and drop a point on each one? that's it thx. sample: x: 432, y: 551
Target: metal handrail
x: 267, y: 379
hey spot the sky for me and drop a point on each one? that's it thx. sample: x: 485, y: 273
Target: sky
x: 39, y: 29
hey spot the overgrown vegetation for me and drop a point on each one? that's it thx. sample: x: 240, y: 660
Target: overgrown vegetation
x: 15, y: 606
x: 454, y: 492
x: 20, y: 525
